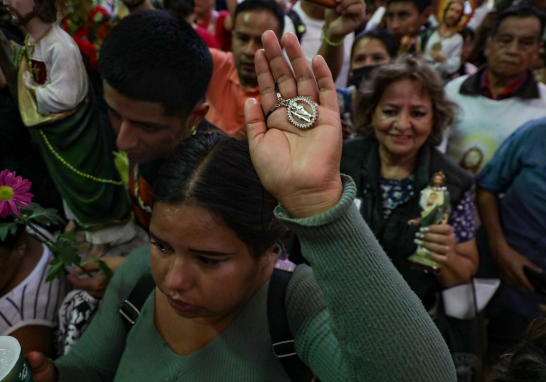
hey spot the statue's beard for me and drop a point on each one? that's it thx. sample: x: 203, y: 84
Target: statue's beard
x: 18, y: 19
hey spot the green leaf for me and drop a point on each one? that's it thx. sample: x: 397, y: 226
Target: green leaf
x: 104, y: 269
x: 56, y: 270
x: 7, y: 228
x: 42, y: 216
x: 66, y: 251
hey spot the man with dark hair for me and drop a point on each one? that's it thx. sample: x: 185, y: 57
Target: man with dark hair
x: 506, y: 89
x: 234, y: 78
x: 406, y: 18
x: 156, y: 71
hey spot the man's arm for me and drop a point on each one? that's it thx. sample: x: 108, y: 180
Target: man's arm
x: 509, y: 261
x: 340, y: 22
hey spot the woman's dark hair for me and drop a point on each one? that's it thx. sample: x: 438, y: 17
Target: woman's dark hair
x: 430, y: 83
x: 382, y: 35
x: 215, y: 172
x: 527, y: 362
x: 11, y: 240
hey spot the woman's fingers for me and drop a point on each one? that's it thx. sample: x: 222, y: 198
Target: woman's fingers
x: 282, y: 72
x: 305, y: 79
x: 446, y: 239
x: 327, y: 90
x: 440, y: 259
x: 433, y: 247
x: 266, y: 82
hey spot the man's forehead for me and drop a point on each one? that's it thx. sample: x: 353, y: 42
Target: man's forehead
x: 400, y: 6
x: 520, y: 27
x: 256, y: 19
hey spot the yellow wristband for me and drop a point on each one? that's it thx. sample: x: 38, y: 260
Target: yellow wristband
x: 329, y: 42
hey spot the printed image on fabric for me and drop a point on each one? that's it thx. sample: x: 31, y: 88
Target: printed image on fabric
x: 475, y: 149
x: 75, y: 314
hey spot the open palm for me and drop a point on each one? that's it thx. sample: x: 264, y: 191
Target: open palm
x: 300, y: 167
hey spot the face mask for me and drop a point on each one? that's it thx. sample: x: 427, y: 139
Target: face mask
x: 362, y: 74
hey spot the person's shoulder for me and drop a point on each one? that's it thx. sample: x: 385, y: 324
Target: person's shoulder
x: 60, y: 42
x: 131, y: 271
x: 304, y: 299
x: 531, y: 132
x: 452, y: 88
x: 354, y: 151
x: 221, y: 59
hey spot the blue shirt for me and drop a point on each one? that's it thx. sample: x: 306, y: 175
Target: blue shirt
x: 518, y: 170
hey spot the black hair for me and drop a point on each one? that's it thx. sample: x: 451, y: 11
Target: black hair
x: 261, y: 5
x: 215, y: 172
x: 522, y: 11
x: 421, y: 5
x: 527, y: 361
x: 11, y: 240
x: 153, y: 56
x: 465, y: 32
x: 382, y: 35
x: 180, y: 8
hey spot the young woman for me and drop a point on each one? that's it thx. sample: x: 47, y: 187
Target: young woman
x: 213, y: 231
x: 403, y: 112
x: 370, y: 49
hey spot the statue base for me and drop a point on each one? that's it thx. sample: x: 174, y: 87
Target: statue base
x: 424, y: 263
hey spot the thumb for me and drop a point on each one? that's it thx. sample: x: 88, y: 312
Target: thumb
x: 255, y: 122
x: 41, y: 367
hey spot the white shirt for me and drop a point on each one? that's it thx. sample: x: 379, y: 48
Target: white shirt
x: 485, y: 123
x: 66, y: 84
x: 479, y: 15
x: 33, y: 301
x: 311, y: 42
x: 451, y: 49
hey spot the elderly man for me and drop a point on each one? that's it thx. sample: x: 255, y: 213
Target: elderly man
x: 501, y: 96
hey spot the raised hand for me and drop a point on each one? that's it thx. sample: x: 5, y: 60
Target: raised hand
x: 344, y: 19
x: 298, y: 167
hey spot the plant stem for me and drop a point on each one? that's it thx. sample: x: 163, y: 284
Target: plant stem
x: 48, y: 242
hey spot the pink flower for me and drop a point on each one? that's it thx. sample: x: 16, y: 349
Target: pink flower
x: 13, y: 192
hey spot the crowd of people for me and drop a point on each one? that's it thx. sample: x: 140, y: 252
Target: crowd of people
x: 261, y: 190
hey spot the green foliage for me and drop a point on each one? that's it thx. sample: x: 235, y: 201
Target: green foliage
x: 63, y: 247
x: 35, y: 213
x: 6, y: 229
x: 104, y: 269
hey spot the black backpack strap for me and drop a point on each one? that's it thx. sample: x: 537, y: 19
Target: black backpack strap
x: 299, y: 26
x: 281, y: 337
x: 130, y: 308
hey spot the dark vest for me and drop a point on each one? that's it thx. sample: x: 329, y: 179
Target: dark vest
x: 360, y: 160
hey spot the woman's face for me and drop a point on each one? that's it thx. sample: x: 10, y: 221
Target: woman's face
x: 369, y: 52
x: 201, y: 265
x: 403, y: 118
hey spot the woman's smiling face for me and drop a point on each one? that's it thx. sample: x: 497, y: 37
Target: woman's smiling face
x: 403, y: 118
